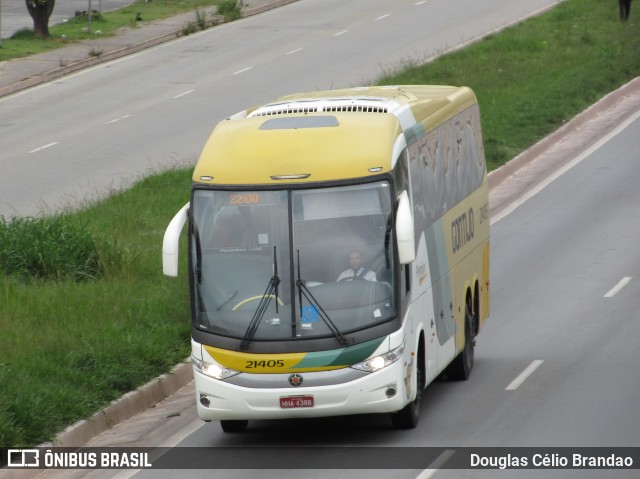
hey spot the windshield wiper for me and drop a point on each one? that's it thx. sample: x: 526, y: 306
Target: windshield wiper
x: 304, y: 291
x: 196, y: 235
x: 270, y: 292
x: 231, y: 296
x: 387, y: 241
x: 198, y: 272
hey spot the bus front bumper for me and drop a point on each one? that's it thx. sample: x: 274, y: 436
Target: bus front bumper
x: 378, y: 392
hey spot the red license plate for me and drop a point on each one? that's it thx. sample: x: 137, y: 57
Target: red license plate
x: 289, y: 402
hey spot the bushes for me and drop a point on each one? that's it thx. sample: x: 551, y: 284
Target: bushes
x: 47, y: 248
x: 230, y: 9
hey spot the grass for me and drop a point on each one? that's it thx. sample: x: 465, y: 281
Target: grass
x: 47, y: 248
x: 532, y: 78
x: 69, y: 347
x: 23, y: 42
x: 230, y: 9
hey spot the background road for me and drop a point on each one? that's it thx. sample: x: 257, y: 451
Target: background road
x: 561, y: 300
x: 100, y: 129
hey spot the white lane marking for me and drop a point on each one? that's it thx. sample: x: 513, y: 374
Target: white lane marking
x: 561, y: 171
x: 517, y: 382
x: 420, y: 3
x: 172, y: 441
x: 118, y: 119
x: 43, y: 147
x: 243, y: 70
x: 340, y: 33
x: 183, y: 94
x: 437, y: 464
x: 383, y: 16
x: 294, y: 51
x: 616, y: 289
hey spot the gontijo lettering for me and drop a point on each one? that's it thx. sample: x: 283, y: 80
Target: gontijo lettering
x: 462, y: 230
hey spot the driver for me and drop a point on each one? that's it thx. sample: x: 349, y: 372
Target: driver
x: 356, y: 270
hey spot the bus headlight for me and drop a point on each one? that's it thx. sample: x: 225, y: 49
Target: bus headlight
x: 213, y: 370
x: 382, y: 361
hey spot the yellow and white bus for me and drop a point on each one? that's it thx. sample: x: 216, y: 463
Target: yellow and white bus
x: 338, y: 253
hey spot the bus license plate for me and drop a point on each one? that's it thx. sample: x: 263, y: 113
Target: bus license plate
x: 296, y: 401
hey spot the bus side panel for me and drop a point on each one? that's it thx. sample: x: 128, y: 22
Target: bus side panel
x: 468, y: 242
x: 426, y: 185
x: 449, y: 191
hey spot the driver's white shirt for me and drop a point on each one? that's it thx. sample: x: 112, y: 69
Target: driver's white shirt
x: 349, y: 273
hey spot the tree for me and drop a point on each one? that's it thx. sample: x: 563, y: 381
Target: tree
x: 40, y: 11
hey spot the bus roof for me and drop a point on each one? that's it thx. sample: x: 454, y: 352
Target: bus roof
x: 325, y: 135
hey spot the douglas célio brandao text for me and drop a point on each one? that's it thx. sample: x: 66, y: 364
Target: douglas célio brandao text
x: 550, y: 461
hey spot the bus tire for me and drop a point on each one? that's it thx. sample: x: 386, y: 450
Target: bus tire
x: 460, y: 368
x: 408, y: 416
x: 237, y: 425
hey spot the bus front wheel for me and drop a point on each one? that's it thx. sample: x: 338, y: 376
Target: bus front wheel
x: 408, y: 416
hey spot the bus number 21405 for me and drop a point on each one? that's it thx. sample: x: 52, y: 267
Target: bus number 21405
x: 273, y: 363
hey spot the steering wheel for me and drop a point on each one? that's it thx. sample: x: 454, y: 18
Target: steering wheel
x: 255, y: 298
x: 350, y: 278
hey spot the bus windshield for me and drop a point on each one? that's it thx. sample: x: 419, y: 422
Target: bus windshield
x: 300, y: 263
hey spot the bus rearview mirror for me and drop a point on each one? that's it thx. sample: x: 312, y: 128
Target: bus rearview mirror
x: 404, y: 230
x: 171, y: 242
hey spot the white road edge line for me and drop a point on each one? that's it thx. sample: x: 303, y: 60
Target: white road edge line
x: 383, y: 16
x: 294, y: 51
x: 183, y: 94
x: 340, y: 33
x: 437, y: 464
x: 616, y: 289
x: 172, y: 441
x: 561, y: 171
x: 43, y: 147
x: 420, y: 3
x: 517, y: 382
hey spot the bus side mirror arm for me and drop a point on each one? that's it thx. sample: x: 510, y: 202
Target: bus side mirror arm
x: 171, y: 242
x: 405, y: 231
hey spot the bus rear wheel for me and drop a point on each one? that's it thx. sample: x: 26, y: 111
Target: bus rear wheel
x: 238, y: 425
x: 460, y: 368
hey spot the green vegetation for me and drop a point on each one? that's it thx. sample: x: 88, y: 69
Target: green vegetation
x: 47, y: 248
x: 532, y: 78
x: 71, y: 344
x: 230, y: 9
x: 23, y: 43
